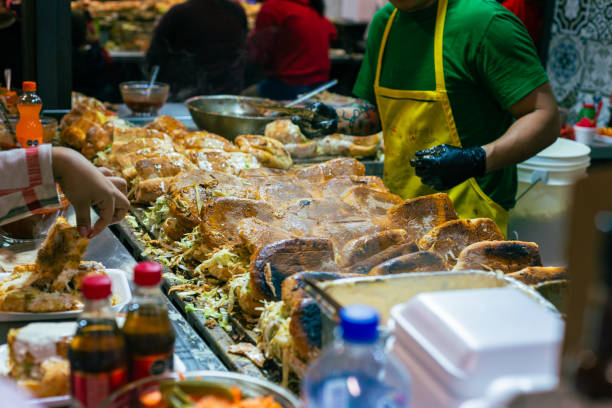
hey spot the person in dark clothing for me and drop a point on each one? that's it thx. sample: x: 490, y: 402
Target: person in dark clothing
x: 90, y: 64
x: 10, y: 37
x: 200, y: 47
x: 291, y: 41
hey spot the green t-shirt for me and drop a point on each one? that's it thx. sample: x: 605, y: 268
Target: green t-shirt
x: 490, y: 63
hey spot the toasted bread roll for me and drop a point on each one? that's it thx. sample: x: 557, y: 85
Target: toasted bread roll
x: 293, y: 287
x: 269, y: 152
x: 370, y: 201
x: 505, y: 256
x: 263, y: 172
x: 272, y: 264
x: 361, y: 248
x: 306, y: 329
x: 364, y: 267
x: 167, y: 165
x: 339, y: 186
x: 345, y: 145
x: 150, y: 190
x: 220, y: 161
x: 341, y: 231
x: 278, y: 193
x: 257, y: 234
x: 322, y: 172
x: 302, y: 150
x: 420, y: 215
x: 206, y: 140
x: 421, y: 261
x: 285, y: 132
x: 75, y: 125
x: 318, y: 210
x: 169, y: 125
x: 62, y: 249
x: 221, y: 215
x: 539, y: 274
x: 450, y: 238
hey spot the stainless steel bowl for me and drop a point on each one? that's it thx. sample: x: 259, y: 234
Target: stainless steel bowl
x: 228, y: 115
x: 251, y: 387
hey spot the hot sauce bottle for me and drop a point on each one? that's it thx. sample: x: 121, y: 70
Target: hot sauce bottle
x: 147, y: 330
x: 97, y: 352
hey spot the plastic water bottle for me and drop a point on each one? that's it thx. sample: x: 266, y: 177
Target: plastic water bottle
x: 355, y: 372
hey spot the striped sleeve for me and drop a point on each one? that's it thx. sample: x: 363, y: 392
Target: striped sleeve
x: 26, y: 183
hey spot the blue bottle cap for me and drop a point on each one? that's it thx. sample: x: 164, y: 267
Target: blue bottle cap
x: 359, y: 323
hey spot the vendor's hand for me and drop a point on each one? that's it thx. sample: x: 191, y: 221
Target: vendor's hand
x: 85, y: 186
x: 323, y: 120
x: 443, y: 167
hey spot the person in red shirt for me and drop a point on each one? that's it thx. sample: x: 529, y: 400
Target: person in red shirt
x: 530, y: 13
x: 291, y: 41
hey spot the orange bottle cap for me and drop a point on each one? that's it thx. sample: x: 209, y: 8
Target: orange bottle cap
x: 29, y: 86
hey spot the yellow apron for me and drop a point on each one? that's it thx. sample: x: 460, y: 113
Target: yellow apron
x: 417, y: 120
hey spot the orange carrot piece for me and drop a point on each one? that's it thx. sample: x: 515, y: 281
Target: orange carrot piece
x: 152, y: 399
x: 236, y: 394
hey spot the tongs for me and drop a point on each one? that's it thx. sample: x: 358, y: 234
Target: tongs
x: 289, y: 107
x: 327, y: 304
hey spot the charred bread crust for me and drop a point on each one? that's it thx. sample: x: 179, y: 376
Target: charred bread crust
x: 361, y: 248
x: 293, y: 287
x: 420, y: 215
x: 450, y: 238
x: 538, y: 274
x: 364, y: 267
x: 422, y: 261
x: 505, y: 256
x: 272, y: 264
x: 306, y: 329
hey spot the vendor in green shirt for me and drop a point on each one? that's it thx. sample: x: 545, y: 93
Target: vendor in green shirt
x: 462, y: 97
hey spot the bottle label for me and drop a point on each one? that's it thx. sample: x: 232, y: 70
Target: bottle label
x: 146, y: 366
x: 91, y: 389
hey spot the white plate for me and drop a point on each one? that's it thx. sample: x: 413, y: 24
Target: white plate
x: 604, y: 139
x: 63, y: 400
x: 120, y: 288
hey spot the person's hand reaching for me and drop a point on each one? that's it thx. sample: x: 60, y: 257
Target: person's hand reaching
x: 443, y: 167
x: 86, y: 186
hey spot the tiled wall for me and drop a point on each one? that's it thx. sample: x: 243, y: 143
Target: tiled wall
x: 580, y: 53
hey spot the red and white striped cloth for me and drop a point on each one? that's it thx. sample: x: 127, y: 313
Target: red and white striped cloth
x: 26, y: 183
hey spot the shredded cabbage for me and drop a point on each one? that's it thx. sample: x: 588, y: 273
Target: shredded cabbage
x: 273, y: 329
x: 220, y: 265
x: 156, y: 214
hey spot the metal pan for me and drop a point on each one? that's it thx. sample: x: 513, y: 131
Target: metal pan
x: 229, y: 115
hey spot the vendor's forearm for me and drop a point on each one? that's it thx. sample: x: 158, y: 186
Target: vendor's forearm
x: 537, y: 126
x: 360, y: 118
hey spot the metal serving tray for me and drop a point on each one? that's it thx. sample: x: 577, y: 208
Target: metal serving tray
x: 217, y: 338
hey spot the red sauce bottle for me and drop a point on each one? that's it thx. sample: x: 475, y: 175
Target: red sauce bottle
x: 97, y: 352
x: 148, y: 332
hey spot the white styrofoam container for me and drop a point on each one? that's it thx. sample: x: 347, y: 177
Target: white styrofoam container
x: 473, y: 344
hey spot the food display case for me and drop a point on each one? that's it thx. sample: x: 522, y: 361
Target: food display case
x: 125, y: 25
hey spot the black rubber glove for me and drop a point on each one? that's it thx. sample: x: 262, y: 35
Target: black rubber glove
x: 322, y: 121
x: 443, y: 167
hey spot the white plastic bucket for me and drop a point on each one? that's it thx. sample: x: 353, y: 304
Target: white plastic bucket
x: 541, y: 214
